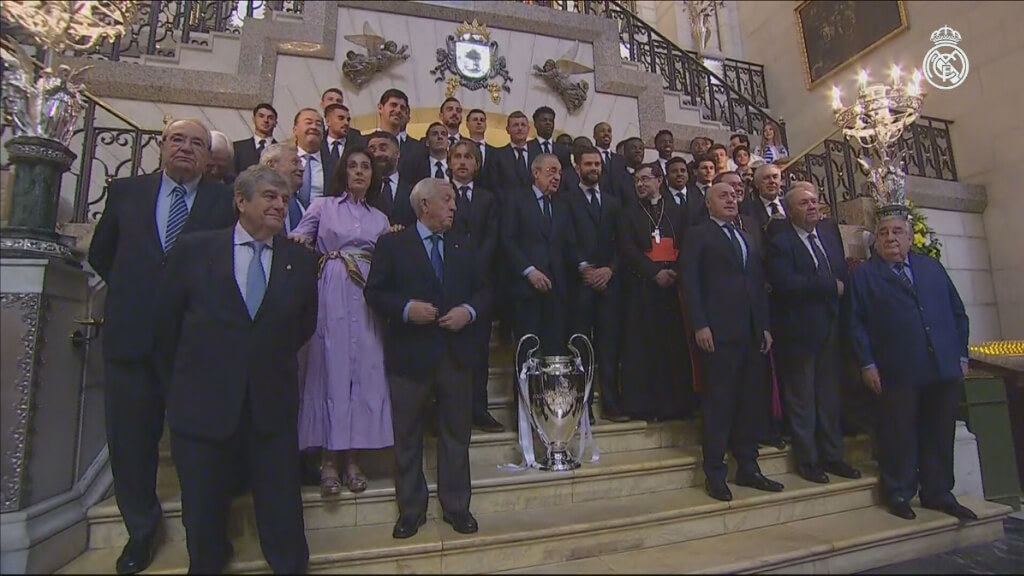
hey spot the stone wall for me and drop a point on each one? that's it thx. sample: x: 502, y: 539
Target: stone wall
x: 984, y: 109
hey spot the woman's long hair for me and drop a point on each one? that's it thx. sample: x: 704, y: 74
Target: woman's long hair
x: 339, y: 182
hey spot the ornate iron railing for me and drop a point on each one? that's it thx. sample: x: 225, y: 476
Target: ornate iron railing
x: 162, y: 25
x: 832, y: 163
x: 735, y: 100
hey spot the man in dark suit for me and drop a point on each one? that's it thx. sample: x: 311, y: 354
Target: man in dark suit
x: 392, y: 117
x: 339, y: 134
x: 623, y: 180
x: 767, y: 205
x: 675, y: 182
x: 143, y: 219
x: 724, y: 290
x: 612, y: 163
x: 514, y: 158
x: 910, y: 336
x: 424, y: 281
x: 392, y: 198
x: 808, y: 274
x: 476, y: 218
x: 544, y: 124
x: 595, y: 215
x: 539, y: 245
x: 248, y: 150
x: 697, y: 189
x: 236, y: 306
x: 308, y: 132
x: 487, y: 173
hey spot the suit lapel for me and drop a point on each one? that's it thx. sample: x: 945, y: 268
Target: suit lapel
x: 417, y: 248
x: 151, y: 190
x: 223, y: 270
x: 801, y: 248
x: 280, y: 276
x: 538, y: 213
x: 885, y: 271
x: 206, y: 194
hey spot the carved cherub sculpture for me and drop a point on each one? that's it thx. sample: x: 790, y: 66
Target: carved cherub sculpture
x: 380, y: 55
x: 557, y: 74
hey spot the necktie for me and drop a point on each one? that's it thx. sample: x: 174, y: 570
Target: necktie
x: 595, y: 204
x: 678, y: 197
x: 824, y: 267
x: 731, y: 231
x: 335, y: 153
x: 255, y: 279
x: 901, y: 271
x: 435, y: 257
x: 259, y: 149
x: 307, y: 181
x: 547, y: 147
x: 452, y: 140
x: 294, y: 214
x: 385, y: 196
x: 175, y: 217
x: 521, y: 169
x: 438, y: 170
x: 547, y: 210
x: 463, y: 195
x: 773, y: 207
x: 607, y: 162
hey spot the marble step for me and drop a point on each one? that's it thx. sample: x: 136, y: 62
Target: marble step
x: 522, y: 538
x: 494, y: 490
x: 843, y: 543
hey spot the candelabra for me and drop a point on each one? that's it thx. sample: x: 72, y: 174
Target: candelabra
x: 875, y: 123
x: 43, y: 107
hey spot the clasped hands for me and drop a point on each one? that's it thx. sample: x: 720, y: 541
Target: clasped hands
x: 706, y: 340
x: 421, y: 312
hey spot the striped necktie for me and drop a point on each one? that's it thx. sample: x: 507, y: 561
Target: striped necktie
x: 175, y: 217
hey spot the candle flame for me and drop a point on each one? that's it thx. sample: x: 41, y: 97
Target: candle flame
x: 837, y: 101
x: 895, y: 74
x: 862, y: 78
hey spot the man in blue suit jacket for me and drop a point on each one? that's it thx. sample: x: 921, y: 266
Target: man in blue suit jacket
x: 808, y: 274
x: 910, y: 336
x: 425, y: 281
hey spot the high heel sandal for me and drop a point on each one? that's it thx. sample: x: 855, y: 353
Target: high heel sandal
x: 356, y: 483
x: 330, y: 484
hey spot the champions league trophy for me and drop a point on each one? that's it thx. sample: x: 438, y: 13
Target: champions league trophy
x: 44, y: 107
x: 553, y: 392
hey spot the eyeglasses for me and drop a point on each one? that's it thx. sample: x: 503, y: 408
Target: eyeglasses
x: 646, y: 179
x: 181, y: 141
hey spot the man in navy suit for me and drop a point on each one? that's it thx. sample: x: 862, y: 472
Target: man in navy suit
x: 544, y: 124
x: 284, y: 159
x: 724, y: 290
x: 392, y: 117
x: 338, y: 135
x: 424, y: 281
x: 143, y: 218
x: 910, y: 336
x: 539, y: 244
x: 392, y: 198
x: 808, y: 274
x: 248, y: 150
x: 513, y: 159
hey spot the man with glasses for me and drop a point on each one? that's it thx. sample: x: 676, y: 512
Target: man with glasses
x: 143, y: 218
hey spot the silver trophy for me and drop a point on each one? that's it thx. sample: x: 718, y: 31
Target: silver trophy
x: 553, y: 390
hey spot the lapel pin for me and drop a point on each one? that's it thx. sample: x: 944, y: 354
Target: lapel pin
x: 288, y: 267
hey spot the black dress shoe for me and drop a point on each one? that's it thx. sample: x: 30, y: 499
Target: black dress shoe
x: 759, y: 482
x: 136, y: 556
x: 613, y: 417
x: 812, y: 474
x: 842, y: 469
x: 463, y: 523
x: 956, y: 510
x: 487, y: 423
x: 406, y: 528
x: 718, y: 490
x: 902, y: 509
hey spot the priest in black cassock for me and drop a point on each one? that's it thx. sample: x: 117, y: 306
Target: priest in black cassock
x: 655, y: 364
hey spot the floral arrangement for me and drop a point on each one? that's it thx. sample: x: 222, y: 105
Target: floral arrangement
x: 926, y: 241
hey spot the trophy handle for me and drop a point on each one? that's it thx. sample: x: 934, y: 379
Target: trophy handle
x: 519, y: 362
x: 591, y: 360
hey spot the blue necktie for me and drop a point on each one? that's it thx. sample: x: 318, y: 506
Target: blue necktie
x: 901, y: 271
x: 306, y: 190
x: 435, y: 257
x: 255, y: 279
x: 735, y: 242
x: 176, y: 217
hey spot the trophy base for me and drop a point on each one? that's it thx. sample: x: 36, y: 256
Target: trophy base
x: 560, y: 461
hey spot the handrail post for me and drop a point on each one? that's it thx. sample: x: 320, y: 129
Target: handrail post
x: 81, y: 206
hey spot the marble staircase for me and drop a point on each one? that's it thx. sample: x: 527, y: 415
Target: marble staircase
x: 641, y: 507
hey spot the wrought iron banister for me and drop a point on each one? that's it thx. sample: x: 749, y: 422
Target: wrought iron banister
x: 832, y: 162
x: 680, y: 69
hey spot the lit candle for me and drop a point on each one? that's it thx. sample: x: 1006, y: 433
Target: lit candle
x: 895, y: 74
x: 837, y: 101
x: 862, y: 78
x: 916, y: 79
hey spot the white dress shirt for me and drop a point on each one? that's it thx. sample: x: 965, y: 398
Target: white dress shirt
x: 267, y: 141
x: 433, y: 167
x: 341, y: 144
x: 550, y: 143
x: 482, y: 145
x: 164, y: 202
x: 739, y: 236
x: 244, y: 254
x: 768, y: 205
x: 428, y: 244
x: 316, y: 186
x: 678, y: 195
x: 469, y: 193
x: 804, y: 234
x: 394, y: 184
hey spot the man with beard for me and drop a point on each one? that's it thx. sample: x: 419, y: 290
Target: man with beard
x: 339, y: 134
x: 655, y: 371
x: 625, y: 181
x: 699, y: 147
x: 539, y: 244
x: 675, y: 183
x: 595, y: 215
x: 664, y: 143
x: 612, y: 162
x: 392, y: 198
x: 392, y: 117
x: 450, y: 116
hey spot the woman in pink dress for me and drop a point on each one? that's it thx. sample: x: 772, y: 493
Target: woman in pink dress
x: 345, y: 403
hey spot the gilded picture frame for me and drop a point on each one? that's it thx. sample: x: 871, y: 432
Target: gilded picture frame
x: 835, y: 33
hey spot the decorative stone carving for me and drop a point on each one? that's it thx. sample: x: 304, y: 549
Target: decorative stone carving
x: 380, y: 55
x: 471, y: 57
x: 700, y: 13
x: 16, y: 432
x: 557, y: 73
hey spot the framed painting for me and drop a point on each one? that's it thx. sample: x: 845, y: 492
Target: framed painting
x: 835, y: 33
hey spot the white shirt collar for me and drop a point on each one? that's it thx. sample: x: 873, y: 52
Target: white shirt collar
x: 256, y: 140
x: 331, y: 140
x: 767, y: 204
x: 168, y: 183
x: 720, y: 222
x: 302, y: 152
x: 242, y: 237
x: 803, y: 234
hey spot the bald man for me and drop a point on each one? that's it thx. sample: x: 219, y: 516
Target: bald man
x: 143, y: 218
